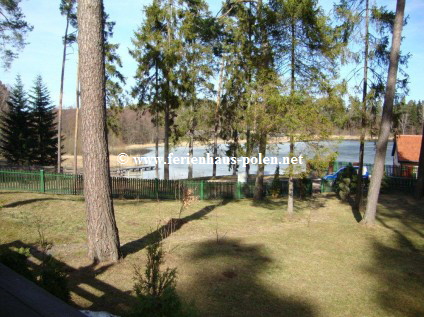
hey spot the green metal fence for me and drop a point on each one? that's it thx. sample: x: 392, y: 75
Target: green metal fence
x: 134, y: 188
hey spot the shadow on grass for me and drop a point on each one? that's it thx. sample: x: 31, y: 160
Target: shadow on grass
x: 271, y: 204
x: 399, y: 272
x: 166, y: 230
x: 350, y: 201
x: 229, y: 281
x: 281, y: 203
x: 83, y: 282
x: 356, y: 212
x: 26, y: 202
x: 399, y: 266
x: 404, y: 210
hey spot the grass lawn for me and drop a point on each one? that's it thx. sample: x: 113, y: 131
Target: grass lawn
x: 242, y: 259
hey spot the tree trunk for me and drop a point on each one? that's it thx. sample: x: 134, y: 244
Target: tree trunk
x: 59, y: 113
x: 156, y: 124
x: 259, y: 183
x: 290, y: 189
x: 419, y: 188
x: 168, y: 105
x: 386, y: 120
x: 190, y: 155
x: 235, y: 138
x: 290, y: 201
x: 77, y: 98
x: 103, y: 238
x: 157, y: 145
x: 248, y: 150
x: 166, y: 145
x: 217, y: 107
x: 358, y: 198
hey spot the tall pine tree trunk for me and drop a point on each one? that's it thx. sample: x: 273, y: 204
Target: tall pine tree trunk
x: 386, y: 120
x: 248, y: 150
x: 168, y: 102
x: 59, y: 113
x: 290, y: 200
x: 358, y: 198
x: 157, y: 144
x: 156, y: 124
x: 217, y: 108
x: 190, y: 147
x: 103, y: 238
x: 166, y: 144
x: 259, y: 182
x: 235, y: 153
x: 77, y: 99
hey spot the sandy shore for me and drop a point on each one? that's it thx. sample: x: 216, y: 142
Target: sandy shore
x: 68, y: 162
x: 274, y: 140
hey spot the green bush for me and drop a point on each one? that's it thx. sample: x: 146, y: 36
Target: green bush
x: 346, y: 182
x: 16, y: 259
x: 48, y: 275
x: 53, y: 279
x: 156, y: 289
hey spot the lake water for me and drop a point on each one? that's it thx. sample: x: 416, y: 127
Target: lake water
x: 348, y: 151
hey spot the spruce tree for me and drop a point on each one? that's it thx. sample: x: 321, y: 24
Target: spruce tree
x: 42, y: 126
x: 369, y: 26
x: 157, y: 51
x: 308, y: 48
x: 14, y: 127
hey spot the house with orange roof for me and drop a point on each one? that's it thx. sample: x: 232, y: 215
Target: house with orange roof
x: 406, y: 153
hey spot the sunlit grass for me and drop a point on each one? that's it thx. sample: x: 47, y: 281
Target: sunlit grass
x: 237, y: 258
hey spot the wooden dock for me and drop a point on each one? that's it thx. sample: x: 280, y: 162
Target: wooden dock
x: 126, y: 171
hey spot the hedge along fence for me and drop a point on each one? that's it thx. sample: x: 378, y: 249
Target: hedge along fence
x: 404, y: 171
x: 389, y: 184
x: 131, y: 188
x: 396, y: 178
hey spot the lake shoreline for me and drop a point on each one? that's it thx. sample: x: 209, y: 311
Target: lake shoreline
x: 197, y: 144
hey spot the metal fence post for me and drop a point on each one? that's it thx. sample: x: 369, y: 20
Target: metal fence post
x: 157, y: 187
x: 238, y: 190
x: 42, y: 182
x: 202, y: 187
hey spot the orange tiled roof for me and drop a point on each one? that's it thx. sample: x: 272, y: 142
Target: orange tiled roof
x: 408, y: 147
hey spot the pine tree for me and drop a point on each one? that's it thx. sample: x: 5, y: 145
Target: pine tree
x: 238, y: 47
x: 158, y: 52
x: 386, y: 120
x: 13, y: 30
x: 43, y: 137
x: 14, y: 129
x: 68, y: 9
x: 115, y: 97
x: 103, y: 235
x: 195, y: 71
x: 308, y: 47
x: 149, y: 54
x: 369, y: 26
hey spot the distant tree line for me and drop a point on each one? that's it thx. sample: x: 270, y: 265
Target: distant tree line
x: 408, y: 117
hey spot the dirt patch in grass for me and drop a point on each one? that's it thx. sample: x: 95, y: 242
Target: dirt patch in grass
x: 239, y: 258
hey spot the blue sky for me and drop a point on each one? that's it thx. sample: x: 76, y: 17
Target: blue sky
x: 43, y: 54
